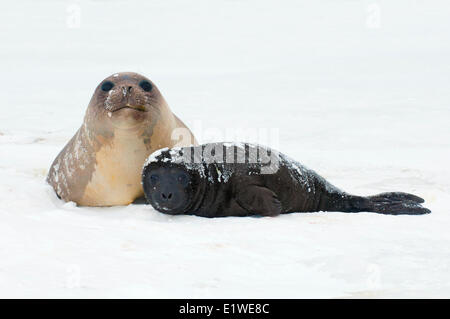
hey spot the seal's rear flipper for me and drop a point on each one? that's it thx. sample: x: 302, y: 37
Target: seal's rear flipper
x: 397, y: 203
x: 399, y: 196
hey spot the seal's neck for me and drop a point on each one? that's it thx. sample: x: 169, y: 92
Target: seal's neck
x: 200, y: 194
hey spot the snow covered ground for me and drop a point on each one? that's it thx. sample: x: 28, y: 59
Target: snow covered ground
x: 358, y: 91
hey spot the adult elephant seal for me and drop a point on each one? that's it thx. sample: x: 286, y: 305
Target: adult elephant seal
x: 126, y: 120
x: 225, y: 179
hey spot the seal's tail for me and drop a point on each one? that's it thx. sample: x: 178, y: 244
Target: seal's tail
x: 394, y: 203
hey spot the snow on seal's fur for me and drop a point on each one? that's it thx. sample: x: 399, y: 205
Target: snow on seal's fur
x: 183, y: 155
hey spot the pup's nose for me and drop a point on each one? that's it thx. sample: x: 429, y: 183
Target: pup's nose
x: 166, y: 196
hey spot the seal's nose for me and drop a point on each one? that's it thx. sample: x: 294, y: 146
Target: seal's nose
x: 126, y: 90
x: 166, y: 196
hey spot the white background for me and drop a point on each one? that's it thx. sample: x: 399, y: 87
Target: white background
x: 358, y: 90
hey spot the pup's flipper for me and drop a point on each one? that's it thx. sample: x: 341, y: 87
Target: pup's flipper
x: 259, y: 200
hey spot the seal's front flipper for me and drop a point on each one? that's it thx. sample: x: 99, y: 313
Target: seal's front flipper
x: 258, y: 200
x: 140, y: 201
x: 397, y: 203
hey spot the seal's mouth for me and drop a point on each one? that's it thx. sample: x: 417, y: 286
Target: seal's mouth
x: 140, y: 108
x: 170, y: 209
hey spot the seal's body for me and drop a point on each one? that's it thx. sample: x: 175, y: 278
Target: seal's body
x: 126, y: 120
x: 226, y: 179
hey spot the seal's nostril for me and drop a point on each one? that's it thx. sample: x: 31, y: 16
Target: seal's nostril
x: 130, y: 88
x: 166, y: 196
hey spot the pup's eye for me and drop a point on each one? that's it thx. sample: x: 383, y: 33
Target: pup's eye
x: 182, y: 178
x: 145, y: 85
x: 107, y: 85
x: 154, y: 178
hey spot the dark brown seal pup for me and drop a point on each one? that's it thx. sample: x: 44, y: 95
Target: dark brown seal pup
x: 126, y: 120
x: 228, y: 179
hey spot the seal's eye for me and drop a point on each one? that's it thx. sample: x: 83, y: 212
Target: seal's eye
x: 107, y: 85
x: 145, y: 85
x: 154, y: 178
x: 183, y: 179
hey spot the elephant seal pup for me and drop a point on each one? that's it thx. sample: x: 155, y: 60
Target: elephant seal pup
x: 228, y: 179
x: 126, y: 120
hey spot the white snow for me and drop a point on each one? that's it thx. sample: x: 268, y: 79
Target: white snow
x: 152, y: 157
x: 358, y: 90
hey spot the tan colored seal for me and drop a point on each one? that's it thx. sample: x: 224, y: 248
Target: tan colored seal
x: 126, y: 120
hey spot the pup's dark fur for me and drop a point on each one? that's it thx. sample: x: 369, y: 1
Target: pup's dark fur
x: 201, y: 181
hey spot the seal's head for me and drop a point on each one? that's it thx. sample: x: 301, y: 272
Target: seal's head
x: 125, y: 100
x: 169, y: 188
